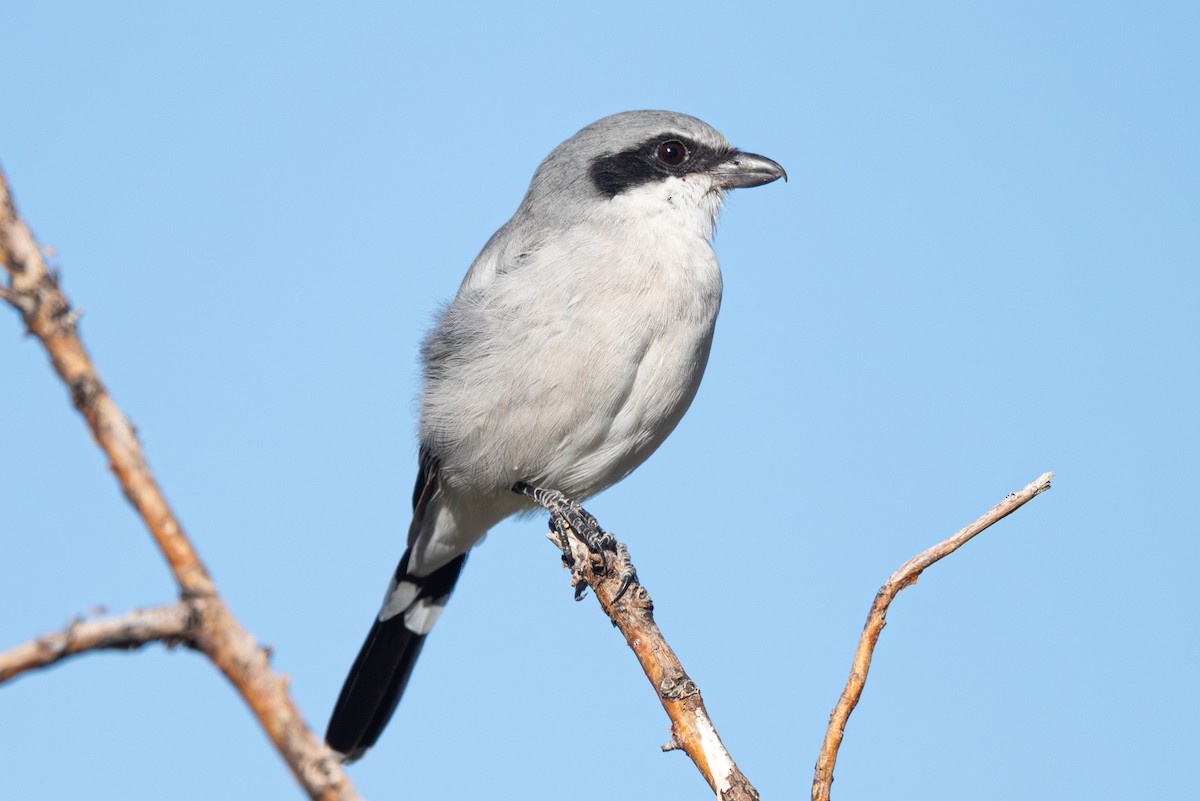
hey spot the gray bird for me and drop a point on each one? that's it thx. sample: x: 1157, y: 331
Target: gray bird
x: 574, y: 346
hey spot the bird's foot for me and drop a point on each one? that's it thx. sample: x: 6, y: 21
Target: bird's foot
x: 566, y: 512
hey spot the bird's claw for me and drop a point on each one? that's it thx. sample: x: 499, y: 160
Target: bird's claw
x: 627, y: 573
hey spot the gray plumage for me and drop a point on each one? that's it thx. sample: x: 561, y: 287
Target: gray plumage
x: 575, y: 343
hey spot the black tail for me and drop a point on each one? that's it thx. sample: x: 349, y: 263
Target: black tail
x: 380, y: 673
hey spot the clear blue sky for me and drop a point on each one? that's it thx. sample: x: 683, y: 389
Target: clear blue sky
x: 984, y: 267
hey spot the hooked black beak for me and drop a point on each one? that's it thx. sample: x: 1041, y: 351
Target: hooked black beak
x: 743, y: 170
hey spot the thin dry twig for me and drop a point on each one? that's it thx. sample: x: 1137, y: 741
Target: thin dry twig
x: 165, y: 624
x: 877, y: 618
x: 33, y: 290
x: 692, y: 730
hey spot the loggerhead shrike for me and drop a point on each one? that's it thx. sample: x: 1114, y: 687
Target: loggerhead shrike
x: 573, y: 347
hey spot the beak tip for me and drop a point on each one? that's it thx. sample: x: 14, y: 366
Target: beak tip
x: 751, y: 169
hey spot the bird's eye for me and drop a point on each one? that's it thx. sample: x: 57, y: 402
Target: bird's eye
x: 672, y: 153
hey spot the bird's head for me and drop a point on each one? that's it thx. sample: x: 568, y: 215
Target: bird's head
x: 645, y: 163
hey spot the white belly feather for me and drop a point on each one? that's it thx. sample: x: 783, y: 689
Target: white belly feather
x: 592, y: 375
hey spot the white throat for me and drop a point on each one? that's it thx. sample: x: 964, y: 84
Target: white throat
x: 691, y: 203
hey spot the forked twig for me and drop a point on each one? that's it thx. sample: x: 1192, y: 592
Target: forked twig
x: 211, y: 628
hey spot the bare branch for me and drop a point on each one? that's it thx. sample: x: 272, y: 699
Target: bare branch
x: 906, y: 575
x: 33, y: 290
x: 692, y: 730
x: 166, y: 624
